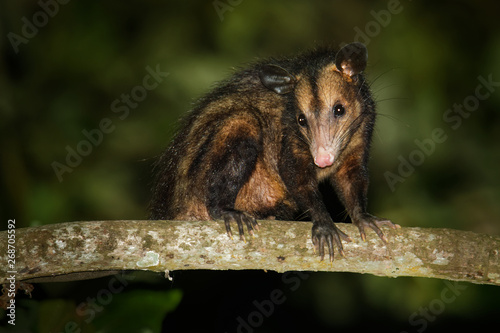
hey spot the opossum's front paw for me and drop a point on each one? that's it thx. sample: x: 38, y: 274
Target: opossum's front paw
x: 240, y: 218
x: 373, y: 222
x: 326, y: 234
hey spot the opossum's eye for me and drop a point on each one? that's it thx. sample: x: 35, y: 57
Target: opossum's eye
x: 302, y: 120
x: 338, y: 110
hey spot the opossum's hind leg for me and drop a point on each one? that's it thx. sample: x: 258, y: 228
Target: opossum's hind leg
x: 231, y: 170
x: 240, y: 218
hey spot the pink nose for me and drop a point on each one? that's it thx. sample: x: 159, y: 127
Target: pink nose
x: 323, y: 159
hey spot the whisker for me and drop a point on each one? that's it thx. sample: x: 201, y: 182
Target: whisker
x: 378, y: 77
x: 395, y: 119
x: 393, y: 99
x: 303, y: 215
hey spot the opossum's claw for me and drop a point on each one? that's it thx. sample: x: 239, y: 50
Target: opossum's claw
x: 327, y: 234
x: 241, y: 219
x: 373, y: 222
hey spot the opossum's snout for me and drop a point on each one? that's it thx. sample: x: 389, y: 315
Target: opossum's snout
x: 323, y: 144
x: 323, y: 157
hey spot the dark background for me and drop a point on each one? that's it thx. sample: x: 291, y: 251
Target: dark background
x: 60, y: 77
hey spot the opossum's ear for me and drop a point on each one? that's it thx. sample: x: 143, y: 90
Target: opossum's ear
x: 351, y: 59
x: 277, y: 79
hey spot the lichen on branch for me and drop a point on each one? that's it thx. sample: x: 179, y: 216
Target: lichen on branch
x: 80, y: 250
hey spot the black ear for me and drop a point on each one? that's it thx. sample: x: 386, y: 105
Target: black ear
x: 277, y: 79
x: 351, y: 59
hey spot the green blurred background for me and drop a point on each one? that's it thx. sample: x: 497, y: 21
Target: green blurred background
x: 62, y: 66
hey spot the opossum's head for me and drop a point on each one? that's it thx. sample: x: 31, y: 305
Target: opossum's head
x: 330, y: 99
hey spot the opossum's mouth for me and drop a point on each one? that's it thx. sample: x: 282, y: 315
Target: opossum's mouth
x: 323, y: 157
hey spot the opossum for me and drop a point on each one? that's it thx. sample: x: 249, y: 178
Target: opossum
x: 259, y: 144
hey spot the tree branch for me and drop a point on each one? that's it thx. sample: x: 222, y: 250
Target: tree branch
x: 79, y: 250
